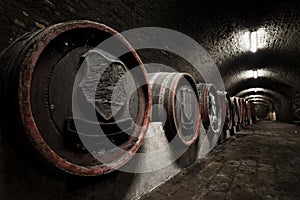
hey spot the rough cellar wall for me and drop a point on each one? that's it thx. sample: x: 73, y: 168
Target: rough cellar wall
x: 21, y: 16
x: 21, y: 176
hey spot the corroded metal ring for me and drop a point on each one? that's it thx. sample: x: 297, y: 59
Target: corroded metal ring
x: 210, y: 107
x: 176, y: 100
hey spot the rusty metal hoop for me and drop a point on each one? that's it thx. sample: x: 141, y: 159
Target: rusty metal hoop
x: 167, y: 105
x: 227, y: 109
x: 210, y: 107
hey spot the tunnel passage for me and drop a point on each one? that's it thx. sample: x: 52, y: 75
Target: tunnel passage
x: 256, y: 47
x: 254, y: 44
x: 267, y: 75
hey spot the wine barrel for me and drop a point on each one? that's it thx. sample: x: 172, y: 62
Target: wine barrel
x: 175, y: 104
x: 297, y: 114
x: 38, y: 73
x: 242, y: 112
x: 249, y: 113
x: 227, y: 110
x: 210, y: 107
x: 222, y: 100
x: 236, y: 110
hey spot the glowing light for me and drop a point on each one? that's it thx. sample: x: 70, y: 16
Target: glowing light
x: 255, y: 74
x: 253, y: 41
x: 262, y: 38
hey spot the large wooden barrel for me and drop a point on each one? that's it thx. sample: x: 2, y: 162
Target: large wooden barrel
x: 296, y: 114
x: 249, y: 113
x: 210, y: 107
x: 227, y: 110
x: 236, y: 110
x: 175, y: 104
x: 242, y: 111
x: 38, y: 73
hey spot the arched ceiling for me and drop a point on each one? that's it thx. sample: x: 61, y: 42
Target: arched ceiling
x: 259, y: 97
x: 267, y: 83
x: 266, y: 104
x: 224, y: 29
x: 274, y: 97
x: 261, y: 91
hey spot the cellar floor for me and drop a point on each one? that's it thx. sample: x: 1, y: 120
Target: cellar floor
x: 262, y: 162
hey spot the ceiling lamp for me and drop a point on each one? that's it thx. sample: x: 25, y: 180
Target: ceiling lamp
x: 255, y: 74
x: 253, y: 41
